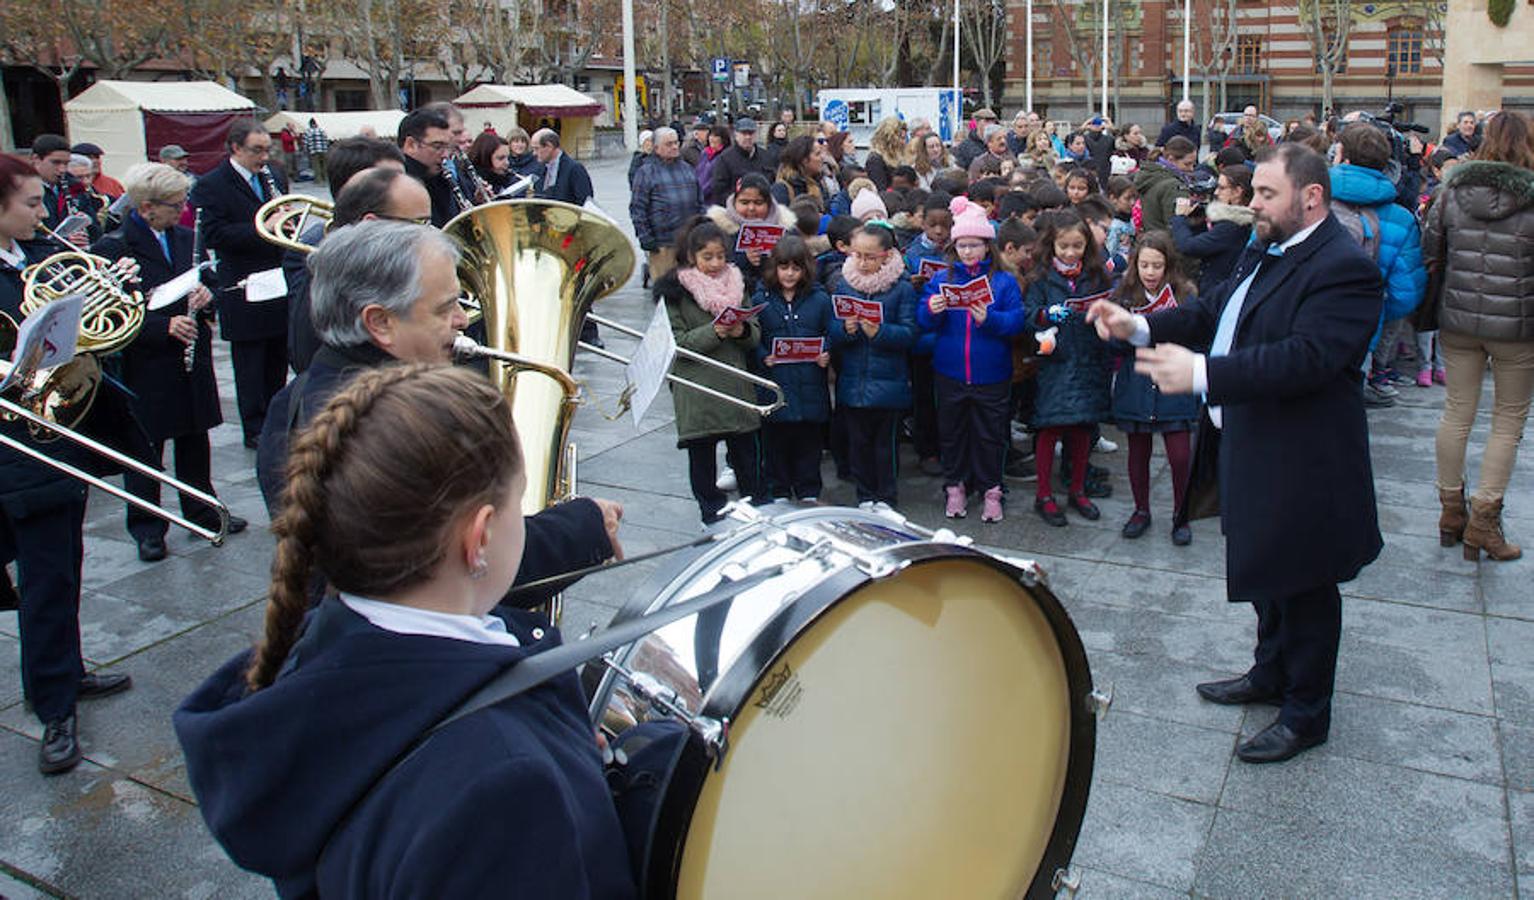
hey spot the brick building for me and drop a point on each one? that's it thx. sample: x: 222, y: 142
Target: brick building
x: 1271, y: 62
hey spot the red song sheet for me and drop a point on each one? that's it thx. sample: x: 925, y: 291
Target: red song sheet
x: 732, y: 314
x: 847, y: 307
x: 797, y: 350
x: 968, y: 295
x: 760, y: 238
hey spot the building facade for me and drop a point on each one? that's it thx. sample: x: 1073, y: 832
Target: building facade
x: 1393, y: 51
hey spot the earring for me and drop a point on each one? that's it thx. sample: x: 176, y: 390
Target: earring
x: 480, y: 568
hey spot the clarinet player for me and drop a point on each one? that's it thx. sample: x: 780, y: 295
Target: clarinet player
x: 175, y: 402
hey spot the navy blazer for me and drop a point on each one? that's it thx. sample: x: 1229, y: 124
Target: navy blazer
x: 572, y: 183
x: 1296, y: 485
x: 229, y: 205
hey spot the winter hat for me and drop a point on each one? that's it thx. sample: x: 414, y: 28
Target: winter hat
x: 866, y: 203
x: 969, y: 220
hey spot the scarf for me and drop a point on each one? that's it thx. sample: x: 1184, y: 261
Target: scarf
x: 1167, y: 164
x: 1069, y: 271
x: 877, y: 283
x: 714, y: 293
x: 774, y: 215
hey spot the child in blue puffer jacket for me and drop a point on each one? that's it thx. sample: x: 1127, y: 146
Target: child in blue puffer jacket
x: 796, y: 308
x: 1073, y: 375
x: 972, y: 359
x: 873, y: 380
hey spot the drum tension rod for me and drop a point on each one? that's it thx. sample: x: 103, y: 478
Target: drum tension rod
x: 715, y: 733
x: 1065, y: 883
x: 1099, y: 700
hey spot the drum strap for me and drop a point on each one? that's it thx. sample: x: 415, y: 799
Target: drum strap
x: 535, y: 670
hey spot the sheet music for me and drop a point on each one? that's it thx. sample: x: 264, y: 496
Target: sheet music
x: 173, y: 290
x: 651, y: 361
x: 47, y: 338
x: 268, y: 284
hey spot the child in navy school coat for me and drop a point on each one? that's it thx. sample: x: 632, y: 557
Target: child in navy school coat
x: 796, y: 308
x: 972, y: 359
x: 873, y: 382
x: 1073, y: 370
x: 1153, y: 281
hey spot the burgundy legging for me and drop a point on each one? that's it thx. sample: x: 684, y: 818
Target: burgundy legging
x: 1178, y: 454
x: 1077, y: 440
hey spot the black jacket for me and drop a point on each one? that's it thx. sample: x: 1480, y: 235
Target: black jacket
x: 303, y: 341
x: 170, y: 401
x: 1216, y: 248
x: 572, y: 183
x: 1100, y: 146
x: 509, y: 801
x: 733, y: 163
x: 1296, y: 485
x: 1178, y: 128
x: 444, y: 204
x: 560, y: 539
x: 229, y: 207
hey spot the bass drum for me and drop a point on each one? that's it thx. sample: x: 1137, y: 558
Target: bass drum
x: 905, y: 717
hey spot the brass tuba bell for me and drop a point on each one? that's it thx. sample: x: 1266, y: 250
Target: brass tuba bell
x: 536, y: 267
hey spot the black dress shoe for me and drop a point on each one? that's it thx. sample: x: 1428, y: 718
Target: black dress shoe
x: 103, y: 684
x: 1276, y: 743
x: 1049, y: 511
x: 1182, y: 535
x: 1137, y: 524
x: 151, y: 549
x: 1236, y: 691
x: 60, y: 751
x: 1086, y: 508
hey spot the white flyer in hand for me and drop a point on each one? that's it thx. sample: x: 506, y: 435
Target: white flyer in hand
x: 268, y: 284
x: 175, y: 289
x: 47, y: 338
x: 651, y: 361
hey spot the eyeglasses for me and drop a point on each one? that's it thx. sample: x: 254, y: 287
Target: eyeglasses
x: 415, y: 220
x: 170, y: 204
x: 440, y: 146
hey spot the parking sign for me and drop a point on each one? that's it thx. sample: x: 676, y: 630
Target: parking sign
x: 720, y: 68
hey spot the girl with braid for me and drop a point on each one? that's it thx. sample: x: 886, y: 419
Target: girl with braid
x: 404, y: 493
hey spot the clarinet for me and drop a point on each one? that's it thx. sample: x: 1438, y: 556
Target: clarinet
x: 458, y: 195
x: 482, y: 192
x: 189, y: 355
x: 267, y: 182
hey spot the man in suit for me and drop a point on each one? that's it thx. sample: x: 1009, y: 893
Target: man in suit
x: 1286, y: 336
x: 564, y: 178
x: 50, y: 159
x: 426, y: 137
x: 256, y: 330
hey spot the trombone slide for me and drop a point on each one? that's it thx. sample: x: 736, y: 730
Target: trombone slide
x: 21, y: 412
x: 766, y: 384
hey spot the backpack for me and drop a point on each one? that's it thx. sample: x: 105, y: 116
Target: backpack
x: 1363, y: 223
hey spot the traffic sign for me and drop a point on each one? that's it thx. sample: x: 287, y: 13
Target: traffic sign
x: 720, y: 66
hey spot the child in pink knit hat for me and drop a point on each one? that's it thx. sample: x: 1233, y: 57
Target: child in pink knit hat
x: 974, y: 308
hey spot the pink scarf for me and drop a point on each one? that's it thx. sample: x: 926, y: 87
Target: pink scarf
x: 715, y: 293
x: 1069, y: 271
x: 877, y: 283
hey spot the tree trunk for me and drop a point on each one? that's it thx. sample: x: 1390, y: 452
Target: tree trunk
x: 665, y: 60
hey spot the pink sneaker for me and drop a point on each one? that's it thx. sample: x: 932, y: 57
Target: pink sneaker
x: 1438, y: 376
x: 992, y: 510
x: 956, y: 502
x: 1424, y: 378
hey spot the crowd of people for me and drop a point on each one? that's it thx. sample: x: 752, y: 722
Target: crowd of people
x: 996, y: 302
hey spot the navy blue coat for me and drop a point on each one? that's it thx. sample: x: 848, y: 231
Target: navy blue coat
x: 507, y: 801
x: 1296, y: 484
x: 1073, y: 380
x: 803, y: 384
x: 572, y: 183
x: 1218, y: 247
x: 874, y: 373
x: 1137, y: 399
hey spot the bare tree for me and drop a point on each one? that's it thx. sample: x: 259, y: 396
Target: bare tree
x: 118, y: 36
x: 223, y: 39
x: 1328, y: 25
x: 40, y: 41
x: 1076, y: 19
x: 387, y: 39
x: 983, y: 29
x: 1213, y: 45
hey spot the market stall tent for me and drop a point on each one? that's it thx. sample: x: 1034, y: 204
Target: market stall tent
x: 338, y: 125
x: 534, y: 106
x: 132, y: 120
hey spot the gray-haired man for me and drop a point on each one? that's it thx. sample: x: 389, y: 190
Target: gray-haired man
x: 382, y: 292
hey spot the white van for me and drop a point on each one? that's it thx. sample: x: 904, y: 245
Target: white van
x: 859, y: 110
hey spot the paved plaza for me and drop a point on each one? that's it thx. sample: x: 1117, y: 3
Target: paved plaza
x: 1426, y: 788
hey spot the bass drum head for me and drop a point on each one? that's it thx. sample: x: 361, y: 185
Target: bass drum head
x: 914, y: 740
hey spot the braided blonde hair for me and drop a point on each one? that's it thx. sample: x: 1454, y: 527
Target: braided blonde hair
x: 374, y: 485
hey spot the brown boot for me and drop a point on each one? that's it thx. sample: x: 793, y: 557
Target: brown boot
x: 1451, y: 522
x: 1485, y: 533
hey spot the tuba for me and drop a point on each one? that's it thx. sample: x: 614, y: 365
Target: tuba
x: 536, y: 267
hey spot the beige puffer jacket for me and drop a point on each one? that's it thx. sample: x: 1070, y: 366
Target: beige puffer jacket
x: 1482, y: 224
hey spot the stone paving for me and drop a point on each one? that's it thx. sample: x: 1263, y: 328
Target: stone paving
x: 1426, y: 788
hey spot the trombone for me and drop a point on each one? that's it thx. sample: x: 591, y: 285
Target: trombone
x: 766, y: 384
